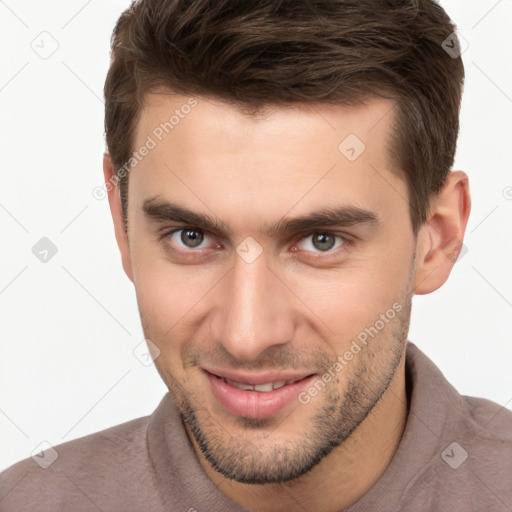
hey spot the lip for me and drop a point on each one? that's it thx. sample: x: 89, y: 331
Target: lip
x: 256, y: 404
x: 254, y: 379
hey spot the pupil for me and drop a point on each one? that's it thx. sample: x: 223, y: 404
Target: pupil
x: 191, y: 238
x: 323, y: 242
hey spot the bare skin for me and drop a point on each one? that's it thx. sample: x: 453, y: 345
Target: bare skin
x: 289, y: 302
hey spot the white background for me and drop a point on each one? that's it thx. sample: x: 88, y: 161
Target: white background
x: 69, y: 326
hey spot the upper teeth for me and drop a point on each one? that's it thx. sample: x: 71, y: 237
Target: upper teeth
x: 258, y: 387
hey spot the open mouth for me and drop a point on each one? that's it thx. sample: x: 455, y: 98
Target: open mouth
x: 264, y: 388
x: 256, y: 396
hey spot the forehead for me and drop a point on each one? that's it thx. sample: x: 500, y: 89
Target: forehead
x: 165, y: 111
x: 207, y: 153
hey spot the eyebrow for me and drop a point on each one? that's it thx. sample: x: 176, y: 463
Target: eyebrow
x: 344, y: 216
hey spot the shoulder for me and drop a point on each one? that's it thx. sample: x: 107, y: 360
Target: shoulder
x: 489, y: 430
x: 484, y: 453
x: 467, y: 443
x: 79, y: 474
x: 492, y: 419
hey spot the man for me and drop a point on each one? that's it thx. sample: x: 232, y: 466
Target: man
x: 279, y: 177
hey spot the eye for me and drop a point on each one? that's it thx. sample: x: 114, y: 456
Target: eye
x: 321, y: 242
x: 188, y: 238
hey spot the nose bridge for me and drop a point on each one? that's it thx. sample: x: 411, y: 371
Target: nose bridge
x: 253, y: 313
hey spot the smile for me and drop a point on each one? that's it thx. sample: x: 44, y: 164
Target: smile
x: 251, y: 396
x: 264, y: 388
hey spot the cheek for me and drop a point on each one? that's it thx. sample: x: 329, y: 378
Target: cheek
x: 349, y: 299
x: 169, y: 296
x: 166, y: 297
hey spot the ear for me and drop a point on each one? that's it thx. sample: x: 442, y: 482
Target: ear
x: 116, y: 209
x: 440, y: 238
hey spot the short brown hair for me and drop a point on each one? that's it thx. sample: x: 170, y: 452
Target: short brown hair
x: 257, y: 53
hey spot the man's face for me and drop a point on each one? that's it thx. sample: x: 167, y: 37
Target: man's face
x: 308, y: 255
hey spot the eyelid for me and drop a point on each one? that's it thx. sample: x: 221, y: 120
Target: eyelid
x: 319, y: 256
x: 164, y: 232
x: 341, y: 234
x: 168, y: 233
x: 348, y: 240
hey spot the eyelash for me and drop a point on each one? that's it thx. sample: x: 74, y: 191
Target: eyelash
x: 346, y: 242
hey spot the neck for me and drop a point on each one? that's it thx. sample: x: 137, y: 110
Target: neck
x: 343, y: 476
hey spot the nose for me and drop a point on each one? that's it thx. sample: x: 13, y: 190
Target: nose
x: 254, y: 311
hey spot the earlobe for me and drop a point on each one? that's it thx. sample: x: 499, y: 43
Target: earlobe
x: 440, y: 239
x: 116, y: 209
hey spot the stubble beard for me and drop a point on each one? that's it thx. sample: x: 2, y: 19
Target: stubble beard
x: 263, y: 461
